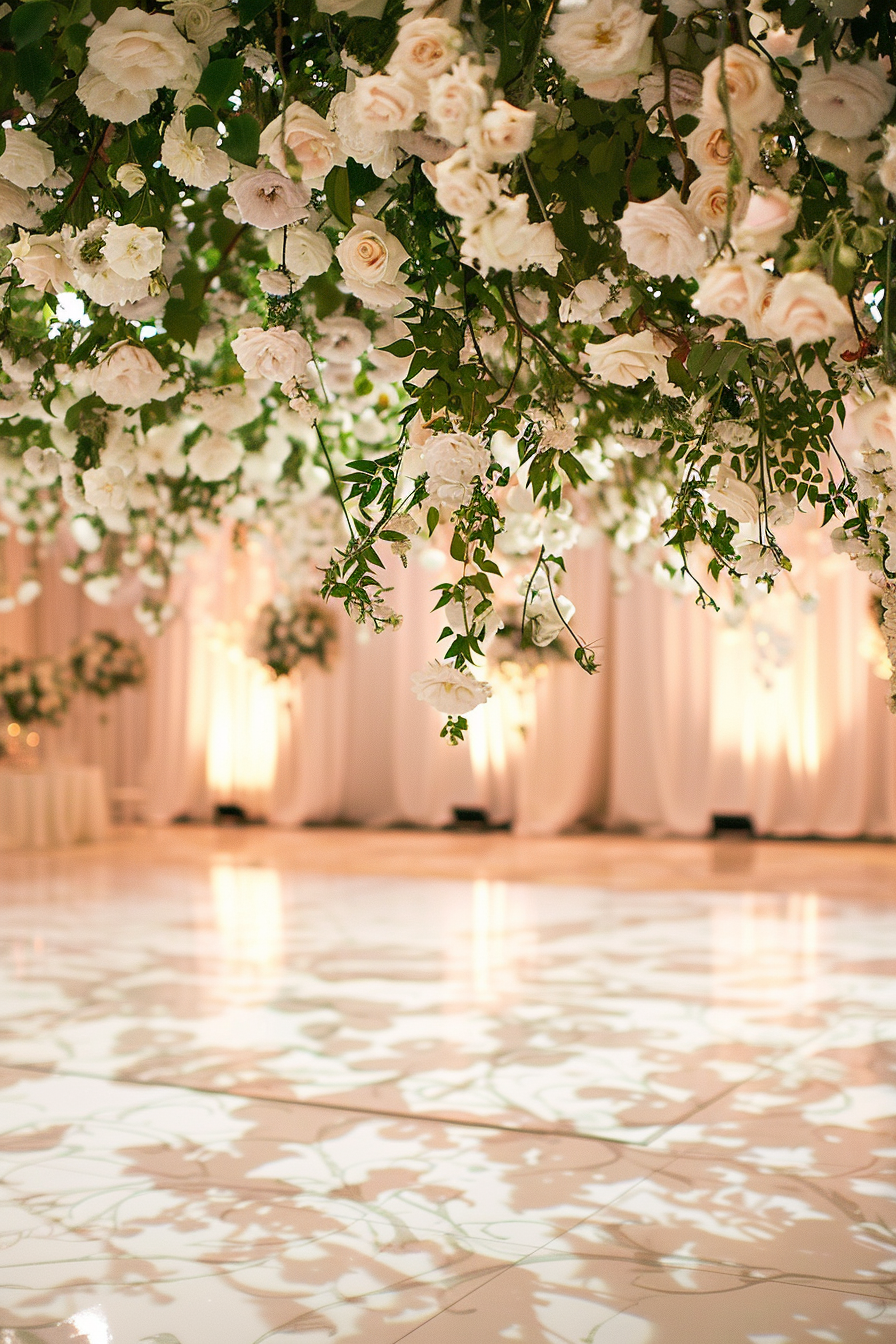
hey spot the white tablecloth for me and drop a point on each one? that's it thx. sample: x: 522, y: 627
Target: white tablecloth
x: 57, y: 806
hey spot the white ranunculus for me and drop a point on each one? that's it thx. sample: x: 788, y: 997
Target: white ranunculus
x: 275, y: 353
x: 269, y: 200
x: 738, y: 498
x: 342, y: 339
x: 26, y: 161
x: 307, y: 252
x: 308, y: 138
x: 805, y: 309
x: 714, y: 202
x: 140, y: 51
x: 425, y: 48
x: 204, y: 22
x: 739, y: 289
x: 16, y: 207
x: 131, y: 177
x: 452, y: 463
x: 214, y: 457
x: 448, y: 689
x: 601, y: 40
x: 41, y: 263
x: 463, y: 187
x: 849, y: 100
x: 503, y: 133
x: 369, y: 255
x: 384, y: 103
x: 105, y: 487
x: 768, y: 217
x: 223, y: 408
x: 104, y: 99
x: 627, y: 360
x: 751, y: 94
x: 457, y: 99
x: 127, y: 375
x: 504, y: 239
x: 658, y: 237
x: 133, y: 252
x: 194, y: 157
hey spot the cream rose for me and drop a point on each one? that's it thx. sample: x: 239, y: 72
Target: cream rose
x: 369, y: 255
x: 133, y: 252
x: 41, y: 263
x: 16, y: 207
x: 713, y: 202
x: 886, y: 168
x: 504, y: 239
x: 874, y: 422
x: 452, y: 463
x: 627, y: 360
x: 768, y: 217
x: 214, y: 457
x: 342, y: 339
x: 463, y: 188
x: 849, y: 100
x: 306, y: 253
x: 269, y: 200
x: 425, y: 48
x: 738, y: 498
x: 448, y: 689
x: 104, y: 99
x: 26, y: 161
x: 604, y: 39
x: 205, y: 22
x: 194, y: 157
x: 710, y: 146
x: 738, y: 289
x: 140, y: 51
x: 223, y: 408
x: 456, y: 100
x: 275, y: 353
x: 127, y: 375
x: 366, y: 144
x: 659, y: 239
x: 751, y: 94
x: 385, y: 103
x: 309, y: 139
x: 805, y: 309
x: 503, y: 133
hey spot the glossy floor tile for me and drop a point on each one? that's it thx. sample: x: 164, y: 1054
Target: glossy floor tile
x: 241, y: 1102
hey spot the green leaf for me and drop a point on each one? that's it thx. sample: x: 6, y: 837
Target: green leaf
x: 7, y: 78
x: 339, y: 195
x: 219, y: 79
x: 250, y: 9
x: 241, y: 141
x: 31, y: 21
x: 197, y: 116
x: 183, y: 322
x: 35, y: 70
x: 104, y: 9
x: 458, y: 549
x: 432, y: 519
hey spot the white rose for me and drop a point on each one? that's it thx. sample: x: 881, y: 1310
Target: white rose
x: 713, y: 202
x: 277, y: 354
x: 463, y: 188
x: 363, y: 142
x: 886, y: 167
x: 307, y: 136
x: 613, y: 89
x: 457, y: 99
x: 105, y: 487
x: 131, y: 177
x: 26, y: 161
x: 342, y: 339
x: 738, y: 289
x: 269, y: 200
x: 205, y: 22
x: 851, y: 156
x: 16, y: 208
x: 140, y: 51
x: 425, y: 48
x: 659, y: 239
x: 384, y: 103
x: 223, y: 408
x: 104, y: 99
x: 585, y: 302
x: 751, y: 94
x: 448, y: 689
x: 215, y: 457
x: 848, y: 100
x: 369, y: 255
x: 306, y: 253
x: 127, y: 375
x: 603, y: 39
x: 194, y: 157
x: 547, y: 617
x: 874, y: 422
x: 710, y: 146
x: 685, y: 91
x: 133, y: 252
x: 161, y: 451
x: 503, y: 133
x: 738, y: 498
x: 768, y: 217
x: 369, y: 9
x: 757, y: 561
x: 504, y: 239
x: 452, y: 462
x: 626, y: 360
x: 41, y: 263
x: 805, y: 309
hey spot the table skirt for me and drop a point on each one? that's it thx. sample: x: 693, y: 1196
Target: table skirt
x: 61, y: 805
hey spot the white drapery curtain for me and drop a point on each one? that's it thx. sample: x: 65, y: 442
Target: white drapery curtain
x: 782, y: 718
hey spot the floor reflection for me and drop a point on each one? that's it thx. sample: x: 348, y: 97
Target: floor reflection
x: 244, y: 1105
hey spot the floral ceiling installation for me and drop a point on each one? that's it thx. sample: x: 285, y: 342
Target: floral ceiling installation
x: 368, y: 275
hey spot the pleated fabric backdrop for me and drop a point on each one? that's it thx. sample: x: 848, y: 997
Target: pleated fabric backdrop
x: 782, y: 718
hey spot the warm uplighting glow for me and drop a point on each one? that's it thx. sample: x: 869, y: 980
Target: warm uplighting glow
x: 248, y: 906
x: 241, y: 752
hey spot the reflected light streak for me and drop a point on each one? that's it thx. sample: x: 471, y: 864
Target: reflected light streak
x: 762, y: 941
x: 248, y: 909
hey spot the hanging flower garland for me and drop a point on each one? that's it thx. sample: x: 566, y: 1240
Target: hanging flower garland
x: 103, y: 663
x: 666, y: 227
x: 289, y: 633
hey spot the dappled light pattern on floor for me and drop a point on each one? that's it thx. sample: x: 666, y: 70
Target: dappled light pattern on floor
x: 241, y: 1103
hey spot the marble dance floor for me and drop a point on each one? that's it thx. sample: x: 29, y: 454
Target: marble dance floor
x: 249, y: 1093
